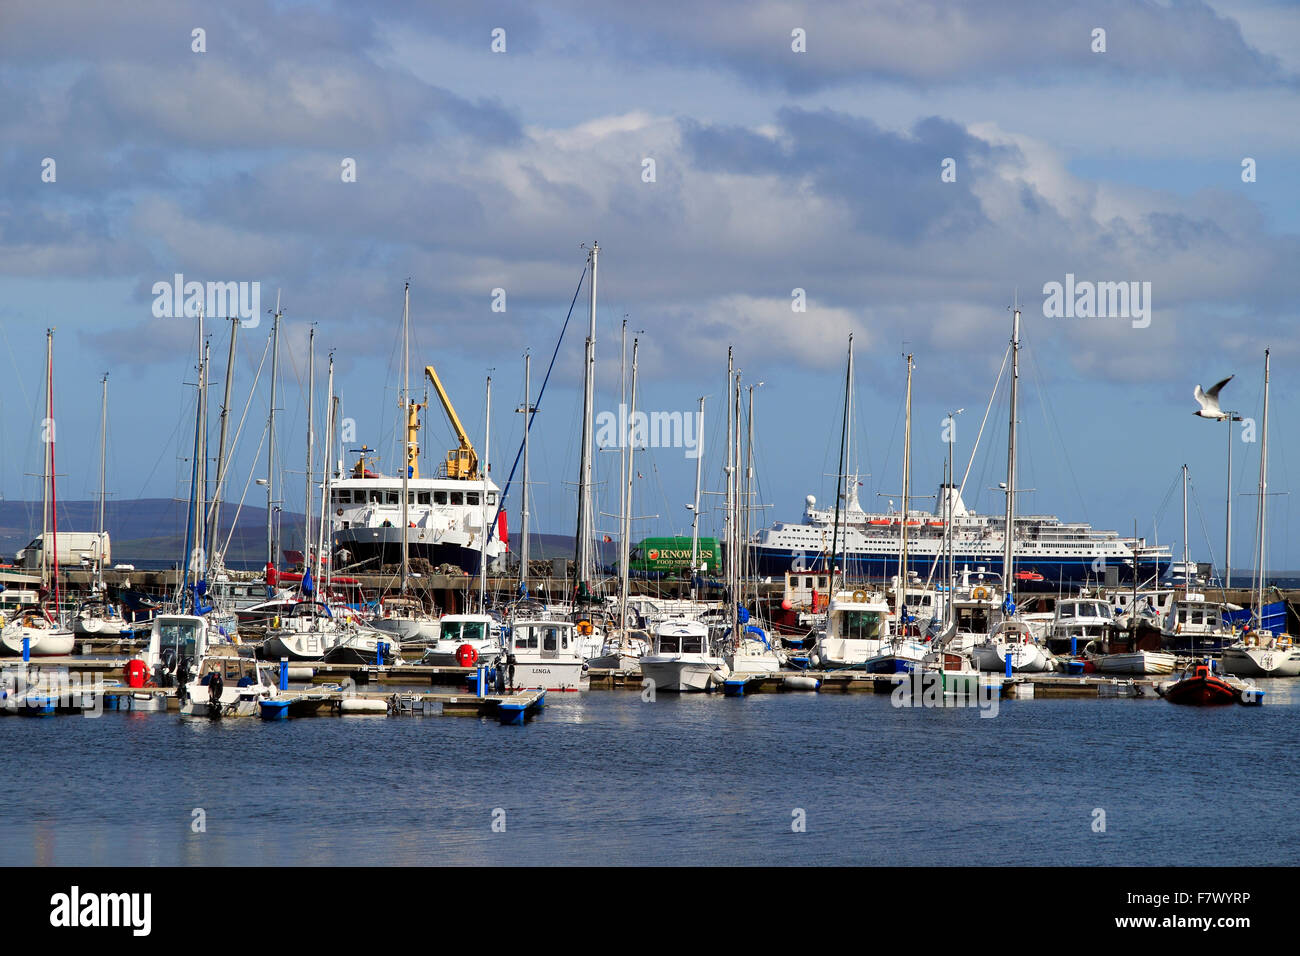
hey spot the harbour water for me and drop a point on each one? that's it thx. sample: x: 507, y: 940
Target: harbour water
x: 606, y: 778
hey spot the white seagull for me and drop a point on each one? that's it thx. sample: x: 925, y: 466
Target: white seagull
x: 1209, y: 401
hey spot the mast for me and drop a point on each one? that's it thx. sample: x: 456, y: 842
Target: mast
x: 215, y: 510
x: 1009, y: 535
x: 695, y: 508
x: 1262, y: 510
x: 487, y: 468
x: 325, y: 479
x: 270, y: 440
x: 1186, y: 550
x: 583, y: 557
x: 527, y: 410
x: 900, y: 597
x: 200, y: 499
x: 103, y: 481
x: 728, y: 531
x: 839, y: 472
x: 406, y: 415
x: 737, y: 563
x: 623, y: 571
x: 49, y: 498
x: 311, y: 440
x: 749, y: 490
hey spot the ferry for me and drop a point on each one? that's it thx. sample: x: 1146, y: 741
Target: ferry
x: 1049, y: 554
x: 446, y: 516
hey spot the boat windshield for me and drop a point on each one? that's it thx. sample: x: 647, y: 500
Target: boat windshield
x: 860, y: 625
x: 178, y: 635
x: 464, y: 630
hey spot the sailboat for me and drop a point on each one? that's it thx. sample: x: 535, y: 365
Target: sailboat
x: 620, y: 650
x: 749, y: 650
x: 904, y: 651
x: 1011, y: 641
x: 855, y: 628
x: 1260, y: 653
x: 95, y: 613
x: 36, y: 631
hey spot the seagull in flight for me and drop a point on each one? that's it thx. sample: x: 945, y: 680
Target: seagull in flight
x: 1209, y: 401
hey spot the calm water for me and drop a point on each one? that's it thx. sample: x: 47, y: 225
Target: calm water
x: 608, y: 778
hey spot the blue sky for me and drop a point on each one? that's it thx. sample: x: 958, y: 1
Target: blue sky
x: 775, y: 170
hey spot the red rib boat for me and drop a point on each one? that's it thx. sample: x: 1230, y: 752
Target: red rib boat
x: 1200, y: 686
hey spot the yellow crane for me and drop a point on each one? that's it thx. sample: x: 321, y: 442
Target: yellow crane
x: 461, y: 462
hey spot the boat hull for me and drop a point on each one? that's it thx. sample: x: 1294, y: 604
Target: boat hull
x: 1261, y: 662
x: 41, y: 643
x: 1135, y: 663
x: 684, y: 675
x: 1200, y: 692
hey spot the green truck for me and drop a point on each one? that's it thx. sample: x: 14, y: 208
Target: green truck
x: 653, y: 556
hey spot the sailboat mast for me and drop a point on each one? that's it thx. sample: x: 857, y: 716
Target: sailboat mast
x: 728, y: 531
x: 1263, y: 503
x: 103, y: 482
x: 308, y: 497
x: 1186, y: 550
x: 325, y: 477
x: 695, y: 508
x: 47, y: 467
x: 483, y: 512
x: 839, y: 472
x: 270, y: 440
x: 528, y: 420
x: 1009, y: 533
x: 583, y: 557
x: 201, y: 499
x: 900, y: 598
x: 749, y: 491
x: 406, y: 441
x: 626, y: 544
x: 222, y: 464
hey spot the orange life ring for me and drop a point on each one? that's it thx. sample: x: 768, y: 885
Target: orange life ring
x: 466, y: 656
x: 585, y: 628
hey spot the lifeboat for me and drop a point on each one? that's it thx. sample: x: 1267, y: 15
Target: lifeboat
x: 1201, y: 687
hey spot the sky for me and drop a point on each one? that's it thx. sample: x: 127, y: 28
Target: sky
x: 914, y: 168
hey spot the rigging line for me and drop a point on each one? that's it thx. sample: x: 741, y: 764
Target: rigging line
x: 975, y: 448
x: 230, y: 456
x: 234, y: 522
x: 501, y: 499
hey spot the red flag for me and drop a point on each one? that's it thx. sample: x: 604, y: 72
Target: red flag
x: 502, y: 532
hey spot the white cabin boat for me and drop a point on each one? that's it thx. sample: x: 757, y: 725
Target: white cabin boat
x: 682, y: 659
x: 544, y: 655
x: 855, y: 629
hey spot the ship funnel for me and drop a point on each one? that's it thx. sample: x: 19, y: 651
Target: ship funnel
x: 949, y: 494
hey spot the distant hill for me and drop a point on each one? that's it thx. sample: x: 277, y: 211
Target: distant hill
x: 153, y: 529
x: 147, y: 529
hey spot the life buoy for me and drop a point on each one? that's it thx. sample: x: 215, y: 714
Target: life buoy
x: 275, y: 623
x: 980, y: 594
x: 466, y: 656
x: 134, y: 673
x: 339, y: 512
x: 585, y: 628
x: 859, y: 597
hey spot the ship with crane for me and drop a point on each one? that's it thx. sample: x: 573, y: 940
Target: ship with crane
x: 445, y: 516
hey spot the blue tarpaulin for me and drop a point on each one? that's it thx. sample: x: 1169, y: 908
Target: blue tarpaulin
x: 1274, y: 618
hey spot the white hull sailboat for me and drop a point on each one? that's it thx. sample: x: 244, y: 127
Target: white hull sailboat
x: 1271, y: 658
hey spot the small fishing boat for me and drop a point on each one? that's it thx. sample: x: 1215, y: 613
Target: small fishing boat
x: 543, y: 655
x: 480, y: 632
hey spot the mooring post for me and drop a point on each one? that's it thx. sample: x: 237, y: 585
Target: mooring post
x: 284, y: 673
x: 1008, y: 662
x: 379, y: 653
x: 27, y: 649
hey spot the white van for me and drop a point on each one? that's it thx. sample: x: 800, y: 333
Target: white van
x: 75, y: 548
